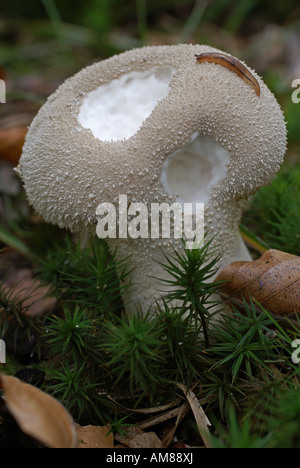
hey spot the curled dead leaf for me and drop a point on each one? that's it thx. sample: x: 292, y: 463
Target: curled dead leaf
x: 38, y: 414
x: 273, y: 280
x: 128, y: 433
x: 135, y: 437
x: 200, y: 417
x: 11, y: 143
x: 145, y: 441
x: 21, y: 286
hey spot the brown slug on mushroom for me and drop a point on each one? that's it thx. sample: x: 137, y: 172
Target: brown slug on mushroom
x: 232, y: 64
x: 155, y: 126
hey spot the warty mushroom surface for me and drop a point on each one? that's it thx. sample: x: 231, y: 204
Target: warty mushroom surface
x: 157, y: 126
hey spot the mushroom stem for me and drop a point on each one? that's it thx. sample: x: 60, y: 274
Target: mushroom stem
x: 146, y: 284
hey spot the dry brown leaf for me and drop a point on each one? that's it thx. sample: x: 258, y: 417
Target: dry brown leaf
x: 199, y: 414
x: 38, y: 414
x: 21, y: 286
x: 134, y: 437
x: 155, y: 409
x: 128, y: 434
x: 163, y: 417
x: 145, y: 440
x: 171, y: 431
x: 94, y: 437
x: 11, y: 143
x: 273, y: 280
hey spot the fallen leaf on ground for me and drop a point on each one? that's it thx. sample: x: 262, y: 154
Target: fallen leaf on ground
x: 94, y: 437
x: 11, y: 143
x: 128, y: 434
x: 38, y: 414
x: 21, y: 286
x: 135, y: 437
x: 199, y: 415
x: 273, y: 280
x: 146, y: 440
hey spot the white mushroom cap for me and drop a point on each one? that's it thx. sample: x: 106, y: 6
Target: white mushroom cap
x: 123, y: 126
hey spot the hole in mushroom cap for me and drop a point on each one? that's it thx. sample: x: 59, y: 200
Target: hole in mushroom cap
x: 116, y: 110
x: 192, y: 171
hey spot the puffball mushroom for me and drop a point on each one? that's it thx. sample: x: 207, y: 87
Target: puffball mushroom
x: 158, y: 125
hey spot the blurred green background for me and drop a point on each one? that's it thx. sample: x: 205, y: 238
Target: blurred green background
x: 44, y: 41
